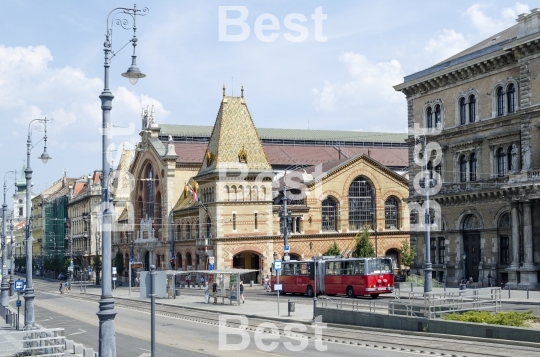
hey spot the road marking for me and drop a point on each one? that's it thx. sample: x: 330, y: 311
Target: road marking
x: 77, y: 333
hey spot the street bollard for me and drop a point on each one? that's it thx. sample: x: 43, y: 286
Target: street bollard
x: 527, y: 293
x: 509, y: 291
x: 444, y: 287
x: 314, y: 306
x: 152, y: 311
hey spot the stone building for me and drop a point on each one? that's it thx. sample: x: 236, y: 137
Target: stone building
x: 482, y: 108
x: 202, y: 194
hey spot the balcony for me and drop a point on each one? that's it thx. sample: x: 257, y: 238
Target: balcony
x: 203, y: 241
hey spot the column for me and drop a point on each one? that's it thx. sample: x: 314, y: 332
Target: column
x: 514, y: 259
x: 527, y: 235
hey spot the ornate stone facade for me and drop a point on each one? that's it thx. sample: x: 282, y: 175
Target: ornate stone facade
x: 481, y: 107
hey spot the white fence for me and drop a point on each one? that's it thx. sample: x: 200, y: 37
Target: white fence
x: 42, y: 342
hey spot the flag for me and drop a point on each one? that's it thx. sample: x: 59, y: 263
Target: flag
x: 194, y: 197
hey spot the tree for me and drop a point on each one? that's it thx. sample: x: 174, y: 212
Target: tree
x: 119, y: 263
x: 333, y: 250
x: 96, y: 265
x: 364, y: 247
x: 407, y: 254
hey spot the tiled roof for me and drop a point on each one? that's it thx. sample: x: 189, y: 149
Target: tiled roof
x: 272, y: 134
x: 193, y: 153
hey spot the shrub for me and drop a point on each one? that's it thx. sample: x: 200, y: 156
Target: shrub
x: 511, y: 318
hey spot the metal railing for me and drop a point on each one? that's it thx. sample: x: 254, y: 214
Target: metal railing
x: 436, y: 305
x: 352, y: 304
x: 10, y: 317
x: 42, y: 342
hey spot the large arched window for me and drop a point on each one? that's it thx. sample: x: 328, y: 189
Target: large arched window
x: 159, y: 209
x: 511, y: 98
x: 471, y: 222
x: 472, y: 109
x: 188, y: 231
x: 391, y: 213
x: 197, y: 230
x: 500, y: 101
x: 329, y: 214
x: 472, y: 167
x: 208, y: 228
x: 500, y: 162
x: 150, y: 192
x: 429, y: 118
x: 509, y: 165
x: 504, y: 238
x: 463, y: 168
x: 462, y: 111
x: 437, y: 116
x: 179, y: 232
x: 361, y: 204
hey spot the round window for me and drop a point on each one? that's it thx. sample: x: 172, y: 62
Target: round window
x: 20, y: 200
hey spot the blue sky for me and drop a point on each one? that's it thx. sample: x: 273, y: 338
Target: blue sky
x: 51, y: 64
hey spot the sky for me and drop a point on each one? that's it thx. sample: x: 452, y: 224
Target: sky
x: 303, y: 64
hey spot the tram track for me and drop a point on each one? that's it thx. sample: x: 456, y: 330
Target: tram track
x: 400, y: 341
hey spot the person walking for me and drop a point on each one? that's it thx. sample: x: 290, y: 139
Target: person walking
x: 266, y: 283
x: 66, y: 285
x: 188, y: 278
x: 214, y: 291
x: 202, y: 281
x: 60, y: 289
x: 242, y: 292
x: 206, y: 293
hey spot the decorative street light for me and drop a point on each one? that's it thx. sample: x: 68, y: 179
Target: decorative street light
x: 106, y: 314
x: 5, y: 286
x: 29, y: 317
x: 464, y: 256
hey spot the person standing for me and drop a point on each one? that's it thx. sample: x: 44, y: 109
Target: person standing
x: 242, y: 292
x: 188, y: 278
x: 206, y: 293
x: 202, y: 281
x: 214, y: 291
x: 60, y: 289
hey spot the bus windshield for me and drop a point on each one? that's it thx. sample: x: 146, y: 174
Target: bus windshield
x: 379, y: 266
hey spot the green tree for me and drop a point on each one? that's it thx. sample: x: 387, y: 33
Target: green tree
x: 333, y: 250
x: 364, y: 247
x: 96, y: 265
x: 407, y: 254
x: 119, y: 263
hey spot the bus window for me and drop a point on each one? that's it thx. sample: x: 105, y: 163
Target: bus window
x: 361, y: 267
x: 347, y: 268
x: 303, y: 269
x: 330, y: 268
x: 287, y: 269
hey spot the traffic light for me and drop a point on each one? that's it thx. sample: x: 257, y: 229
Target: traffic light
x: 172, y: 263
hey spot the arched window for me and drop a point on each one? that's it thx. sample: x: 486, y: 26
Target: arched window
x: 413, y: 219
x: 511, y: 98
x: 509, y: 166
x: 463, y: 168
x: 462, y: 111
x: 472, y: 167
x: 472, y: 109
x: 391, y: 213
x: 197, y: 230
x: 179, y: 232
x: 361, y: 204
x: 208, y: 228
x: 504, y: 238
x: 159, y: 209
x: 329, y: 214
x: 500, y: 162
x: 429, y: 118
x: 500, y: 101
x: 188, y: 231
x: 150, y: 192
x: 471, y: 222
x: 437, y: 116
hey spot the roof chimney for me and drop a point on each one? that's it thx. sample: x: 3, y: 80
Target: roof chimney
x: 529, y: 23
x: 70, y: 191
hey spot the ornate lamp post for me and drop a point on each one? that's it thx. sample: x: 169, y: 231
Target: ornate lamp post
x: 5, y: 287
x: 464, y: 256
x: 29, y: 317
x: 106, y: 314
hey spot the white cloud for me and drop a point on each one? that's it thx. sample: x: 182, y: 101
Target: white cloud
x: 370, y: 83
x: 446, y: 44
x: 487, y: 25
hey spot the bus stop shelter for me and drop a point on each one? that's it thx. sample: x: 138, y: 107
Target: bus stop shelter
x: 228, y: 281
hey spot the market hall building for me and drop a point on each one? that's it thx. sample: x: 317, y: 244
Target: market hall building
x: 203, y: 194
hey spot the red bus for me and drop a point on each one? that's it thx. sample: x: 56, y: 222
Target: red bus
x: 358, y: 276
x: 347, y: 276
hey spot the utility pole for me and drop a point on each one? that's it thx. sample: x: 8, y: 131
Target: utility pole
x: 285, y: 218
x: 427, y: 261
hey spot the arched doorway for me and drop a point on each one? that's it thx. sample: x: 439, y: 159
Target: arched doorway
x: 471, y: 246
x: 394, y: 254
x: 178, y: 262
x: 248, y: 260
x: 188, y: 261
x: 147, y: 261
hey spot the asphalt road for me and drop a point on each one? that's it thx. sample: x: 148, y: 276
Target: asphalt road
x: 200, y: 337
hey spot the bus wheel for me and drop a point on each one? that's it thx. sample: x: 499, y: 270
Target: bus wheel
x: 350, y: 292
x: 309, y: 291
x: 374, y: 296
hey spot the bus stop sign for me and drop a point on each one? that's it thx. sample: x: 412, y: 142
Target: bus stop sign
x: 19, y: 285
x: 277, y: 265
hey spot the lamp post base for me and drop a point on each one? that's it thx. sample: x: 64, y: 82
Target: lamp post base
x: 29, y: 317
x: 5, y: 292
x: 106, y: 315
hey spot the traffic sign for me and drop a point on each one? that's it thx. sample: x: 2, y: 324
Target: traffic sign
x: 277, y: 265
x: 18, y: 303
x: 211, y: 260
x: 287, y: 248
x: 278, y: 287
x: 132, y: 259
x: 114, y: 270
x: 19, y: 285
x: 210, y: 266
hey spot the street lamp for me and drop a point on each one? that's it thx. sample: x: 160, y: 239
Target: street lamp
x: 463, y: 257
x: 4, y: 287
x: 106, y: 314
x: 29, y: 317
